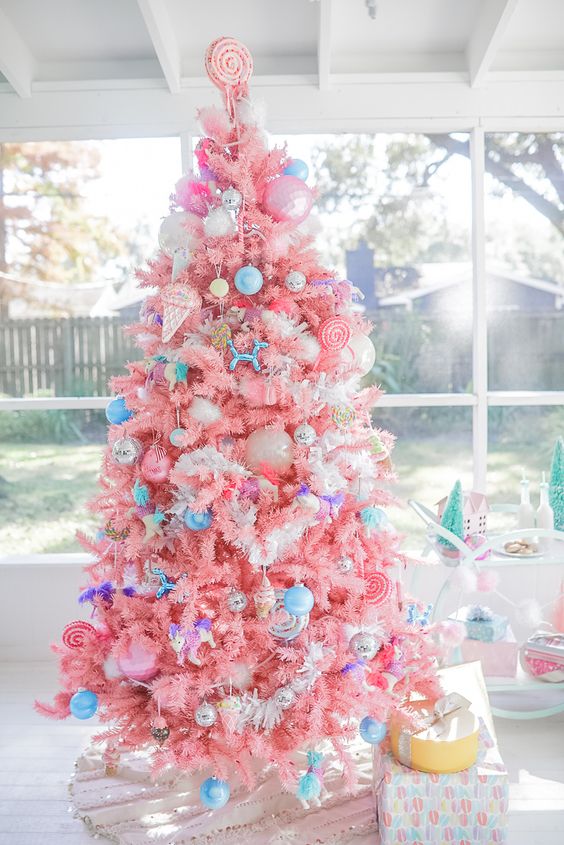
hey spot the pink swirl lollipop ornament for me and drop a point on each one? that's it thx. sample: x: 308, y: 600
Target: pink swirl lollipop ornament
x: 229, y: 65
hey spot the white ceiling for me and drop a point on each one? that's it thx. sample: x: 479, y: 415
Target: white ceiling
x: 54, y: 47
x: 85, y: 40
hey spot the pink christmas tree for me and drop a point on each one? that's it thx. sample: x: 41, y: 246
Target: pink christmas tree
x: 243, y: 605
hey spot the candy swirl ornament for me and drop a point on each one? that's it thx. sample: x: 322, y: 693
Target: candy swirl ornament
x: 334, y: 334
x: 285, y: 626
x: 229, y: 66
x: 378, y: 588
x: 76, y: 634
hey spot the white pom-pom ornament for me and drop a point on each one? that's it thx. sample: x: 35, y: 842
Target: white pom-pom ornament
x: 219, y: 223
x: 204, y: 411
x: 270, y: 447
x: 180, y: 230
x: 307, y: 349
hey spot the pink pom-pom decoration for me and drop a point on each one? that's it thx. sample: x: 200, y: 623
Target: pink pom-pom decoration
x: 287, y: 199
x: 229, y: 65
x: 334, y: 334
x: 452, y: 633
x: 193, y: 195
x: 487, y: 581
x: 378, y: 588
x: 75, y: 634
x: 465, y: 579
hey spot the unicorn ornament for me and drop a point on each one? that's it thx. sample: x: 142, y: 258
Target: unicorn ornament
x: 311, y: 789
x: 186, y: 641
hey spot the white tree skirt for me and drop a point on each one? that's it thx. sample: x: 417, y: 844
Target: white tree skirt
x: 133, y: 808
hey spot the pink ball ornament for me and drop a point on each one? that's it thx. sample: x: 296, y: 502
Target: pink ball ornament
x: 139, y: 663
x: 271, y: 447
x: 156, y: 465
x: 287, y: 199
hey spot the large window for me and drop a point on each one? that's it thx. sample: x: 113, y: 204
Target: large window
x: 76, y: 220
x: 455, y: 240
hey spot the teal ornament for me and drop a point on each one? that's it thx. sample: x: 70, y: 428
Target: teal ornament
x: 117, y: 411
x: 140, y: 493
x: 198, y: 521
x: 372, y: 731
x: 214, y: 793
x: 373, y: 517
x: 176, y: 436
x: 248, y: 280
x: 298, y: 168
x: 249, y: 357
x: 298, y: 600
x: 83, y: 704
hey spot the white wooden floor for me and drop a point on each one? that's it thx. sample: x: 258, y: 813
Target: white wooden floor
x: 37, y: 757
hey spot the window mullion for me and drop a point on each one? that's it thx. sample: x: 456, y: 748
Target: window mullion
x: 479, y: 318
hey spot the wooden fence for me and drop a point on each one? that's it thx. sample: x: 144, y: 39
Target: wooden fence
x: 77, y: 356
x: 66, y: 357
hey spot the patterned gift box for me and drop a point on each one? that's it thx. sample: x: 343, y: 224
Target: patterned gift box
x: 489, y: 629
x: 438, y: 809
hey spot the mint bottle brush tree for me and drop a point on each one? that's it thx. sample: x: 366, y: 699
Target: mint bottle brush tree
x: 556, y: 489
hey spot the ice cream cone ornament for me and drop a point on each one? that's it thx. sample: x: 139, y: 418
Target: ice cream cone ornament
x: 265, y: 597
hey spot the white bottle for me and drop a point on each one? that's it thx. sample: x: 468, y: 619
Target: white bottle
x: 525, y: 514
x: 545, y: 516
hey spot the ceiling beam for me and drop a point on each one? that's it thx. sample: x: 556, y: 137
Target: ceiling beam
x: 485, y: 39
x: 324, y: 44
x: 16, y: 60
x: 162, y: 34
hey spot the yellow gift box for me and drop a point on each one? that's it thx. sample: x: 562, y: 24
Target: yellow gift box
x: 440, y: 737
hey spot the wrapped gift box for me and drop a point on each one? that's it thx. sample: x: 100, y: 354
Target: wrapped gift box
x: 435, y: 809
x: 498, y: 659
x: 463, y: 808
x: 487, y: 630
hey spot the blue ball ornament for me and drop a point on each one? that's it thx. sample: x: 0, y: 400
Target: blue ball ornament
x: 83, y: 704
x: 214, y: 793
x: 117, y: 411
x: 248, y: 280
x: 198, y: 521
x: 372, y: 731
x: 298, y: 168
x: 298, y: 600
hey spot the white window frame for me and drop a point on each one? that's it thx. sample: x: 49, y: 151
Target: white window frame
x: 481, y: 399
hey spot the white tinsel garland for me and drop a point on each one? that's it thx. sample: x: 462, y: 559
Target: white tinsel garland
x: 266, y: 713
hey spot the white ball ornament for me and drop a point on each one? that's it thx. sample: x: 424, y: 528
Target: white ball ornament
x: 295, y: 281
x: 307, y: 349
x: 271, y: 447
x: 174, y: 233
x: 204, y: 411
x: 219, y: 223
x: 305, y: 435
x: 206, y: 715
x: 359, y: 353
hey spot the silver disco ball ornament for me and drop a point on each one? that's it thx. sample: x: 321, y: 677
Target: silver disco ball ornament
x: 231, y: 199
x: 284, y: 697
x: 305, y: 435
x: 126, y: 451
x: 237, y: 601
x: 206, y: 715
x: 364, y: 645
x: 295, y: 281
x: 346, y: 564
